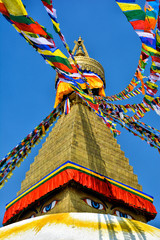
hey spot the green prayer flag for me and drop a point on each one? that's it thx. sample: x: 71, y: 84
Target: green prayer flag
x: 21, y: 19
x: 135, y: 15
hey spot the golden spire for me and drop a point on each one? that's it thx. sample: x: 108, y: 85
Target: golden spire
x: 79, y: 48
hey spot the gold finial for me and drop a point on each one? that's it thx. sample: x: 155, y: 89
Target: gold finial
x: 79, y: 48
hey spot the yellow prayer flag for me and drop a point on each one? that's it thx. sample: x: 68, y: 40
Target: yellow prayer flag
x: 150, y: 49
x: 128, y: 6
x: 149, y: 98
x: 15, y: 7
x: 124, y: 109
x: 133, y: 110
x: 157, y: 71
x: 56, y: 25
x: 153, y: 64
x: 145, y: 108
x: 158, y: 37
x: 55, y: 53
x: 152, y: 85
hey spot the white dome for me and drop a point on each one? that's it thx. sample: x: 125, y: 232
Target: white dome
x: 78, y: 226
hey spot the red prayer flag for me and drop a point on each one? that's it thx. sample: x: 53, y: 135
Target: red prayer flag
x: 3, y: 9
x: 33, y: 28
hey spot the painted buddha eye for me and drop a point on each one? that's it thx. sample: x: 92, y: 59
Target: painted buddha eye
x: 94, y: 204
x: 120, y: 214
x: 49, y: 206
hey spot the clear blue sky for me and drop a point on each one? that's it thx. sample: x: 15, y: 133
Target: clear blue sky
x: 27, y: 84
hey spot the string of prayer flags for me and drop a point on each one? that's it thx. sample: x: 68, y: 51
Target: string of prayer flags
x: 128, y: 91
x: 52, y: 14
x: 14, y: 158
x: 144, y: 24
x: 118, y: 112
x: 145, y: 27
x: 150, y: 128
x: 35, y: 34
x: 138, y: 109
x: 151, y: 90
x: 151, y: 87
x: 145, y: 132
